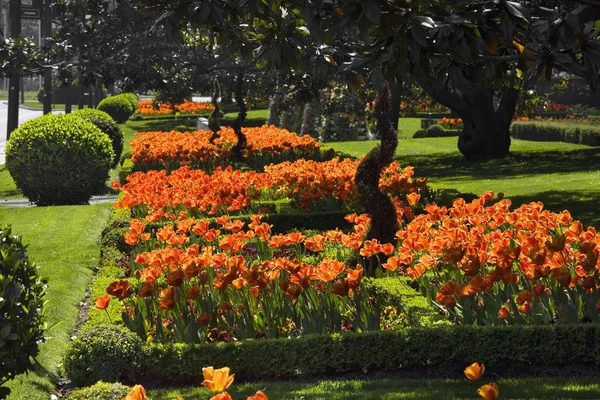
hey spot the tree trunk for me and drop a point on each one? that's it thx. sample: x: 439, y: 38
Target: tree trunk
x: 486, y: 114
x: 486, y: 129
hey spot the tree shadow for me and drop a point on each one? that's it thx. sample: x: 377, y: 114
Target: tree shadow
x: 444, y: 165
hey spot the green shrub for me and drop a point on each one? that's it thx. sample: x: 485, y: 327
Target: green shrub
x: 552, y: 131
x: 59, y: 159
x: 118, y: 107
x: 127, y: 167
x: 107, y: 125
x: 439, y: 349
x: 21, y: 302
x: 132, y: 99
x: 100, y: 391
x: 435, y: 131
x: 105, y: 352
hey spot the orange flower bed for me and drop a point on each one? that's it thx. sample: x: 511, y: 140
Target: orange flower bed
x: 226, y: 190
x: 172, y: 149
x: 491, y: 265
x: 310, y: 181
x: 146, y: 107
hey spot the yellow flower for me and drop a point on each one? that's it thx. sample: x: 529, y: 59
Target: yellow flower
x: 137, y: 393
x: 489, y: 391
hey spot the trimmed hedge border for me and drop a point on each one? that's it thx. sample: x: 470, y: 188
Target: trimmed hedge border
x: 548, y: 131
x: 429, y: 133
x: 446, y: 347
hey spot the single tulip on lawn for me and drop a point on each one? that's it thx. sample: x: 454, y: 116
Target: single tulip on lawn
x: 137, y: 393
x: 475, y: 371
x: 221, y: 396
x: 489, y: 391
x: 260, y: 395
x: 217, y: 380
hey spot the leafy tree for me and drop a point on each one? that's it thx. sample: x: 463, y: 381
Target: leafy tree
x: 469, y: 55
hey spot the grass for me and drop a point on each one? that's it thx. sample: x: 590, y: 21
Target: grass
x: 261, y: 115
x: 40, y: 106
x: 29, y: 95
x: 64, y: 242
x: 530, y: 388
x: 561, y: 175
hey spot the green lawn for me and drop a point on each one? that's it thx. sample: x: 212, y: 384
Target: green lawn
x: 64, y: 242
x: 561, y: 175
x: 529, y: 388
x: 40, y: 106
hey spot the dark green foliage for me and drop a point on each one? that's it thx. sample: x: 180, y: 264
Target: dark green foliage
x: 101, y: 391
x: 107, y: 125
x: 441, y: 349
x: 377, y: 204
x: 548, y: 131
x: 435, y: 131
x: 118, y: 107
x: 21, y: 302
x: 106, y: 352
x: 59, y: 159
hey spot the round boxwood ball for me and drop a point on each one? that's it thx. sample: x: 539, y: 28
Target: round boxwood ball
x: 109, y: 353
x: 59, y: 159
x: 436, y: 130
x: 118, y: 107
x: 132, y: 98
x: 107, y: 125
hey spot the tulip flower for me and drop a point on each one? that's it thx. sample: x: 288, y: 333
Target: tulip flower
x: 503, y: 313
x: 137, y: 393
x: 217, y: 380
x: 260, y: 395
x: 489, y: 391
x: 221, y: 396
x: 102, y: 302
x: 474, y: 371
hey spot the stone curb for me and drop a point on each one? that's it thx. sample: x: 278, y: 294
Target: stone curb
x: 26, y: 203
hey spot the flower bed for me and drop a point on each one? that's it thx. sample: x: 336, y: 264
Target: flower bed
x: 146, y: 107
x: 201, y: 149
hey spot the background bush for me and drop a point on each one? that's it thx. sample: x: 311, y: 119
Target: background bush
x: 107, y: 125
x: 59, y: 159
x: 552, y: 131
x: 101, y: 391
x: 435, y: 130
x: 118, y: 107
x: 21, y: 317
x: 106, y: 352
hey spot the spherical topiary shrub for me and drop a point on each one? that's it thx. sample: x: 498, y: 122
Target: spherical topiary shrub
x: 106, y: 352
x: 21, y: 301
x: 132, y: 99
x: 59, y: 159
x: 101, y: 391
x: 436, y: 131
x: 118, y: 107
x: 107, y: 125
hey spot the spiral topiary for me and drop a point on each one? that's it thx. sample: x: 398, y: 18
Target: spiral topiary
x: 118, y: 107
x: 378, y: 205
x: 107, y: 125
x: 21, y: 318
x: 109, y: 353
x: 59, y: 159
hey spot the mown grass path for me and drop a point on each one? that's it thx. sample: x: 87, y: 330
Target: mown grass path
x: 64, y: 242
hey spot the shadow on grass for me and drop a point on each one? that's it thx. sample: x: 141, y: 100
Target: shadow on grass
x: 441, y: 165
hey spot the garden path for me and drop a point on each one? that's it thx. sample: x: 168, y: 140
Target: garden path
x: 25, y: 114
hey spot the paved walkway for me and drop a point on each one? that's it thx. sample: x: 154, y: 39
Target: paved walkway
x: 25, y: 114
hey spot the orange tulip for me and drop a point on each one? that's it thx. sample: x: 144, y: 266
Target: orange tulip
x: 167, y: 299
x: 217, y: 380
x: 120, y: 289
x: 503, y: 313
x: 137, y: 393
x: 221, y: 396
x: 204, y: 319
x: 102, y: 302
x: 413, y: 198
x: 260, y: 395
x: 475, y: 371
x: 525, y: 308
x: 489, y: 391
